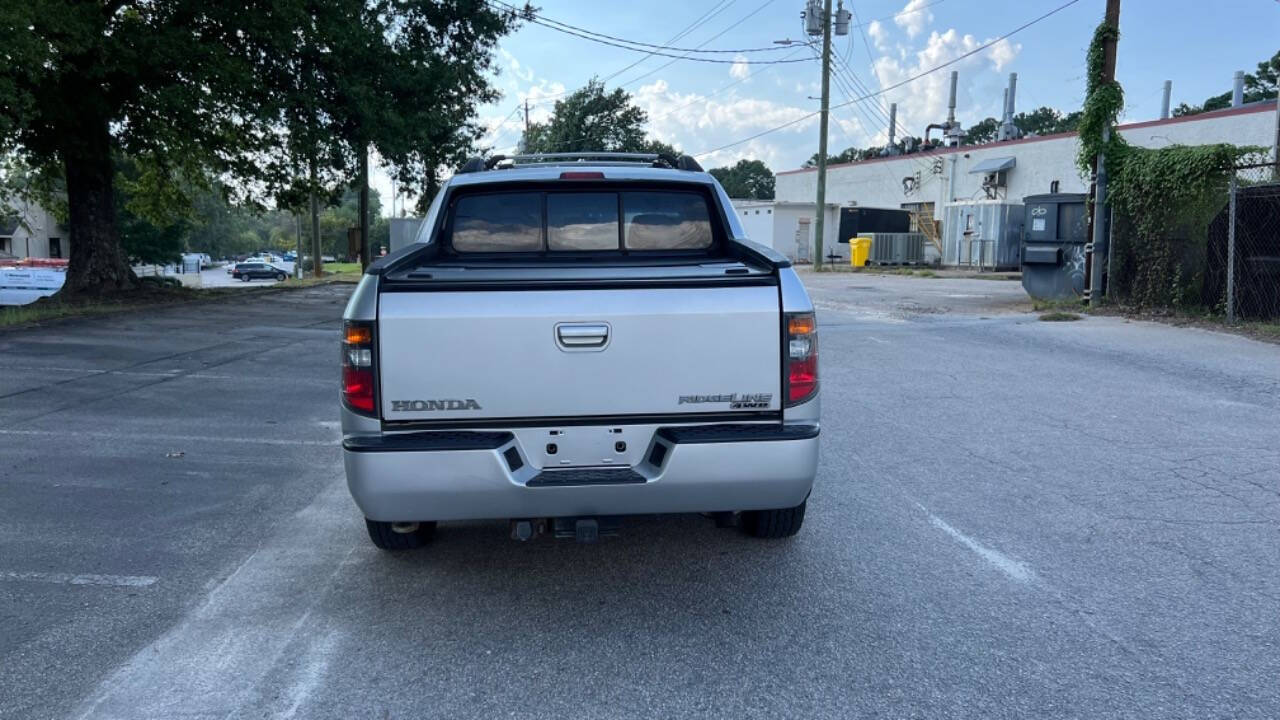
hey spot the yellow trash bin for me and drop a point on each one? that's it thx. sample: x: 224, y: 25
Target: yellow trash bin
x: 859, y: 251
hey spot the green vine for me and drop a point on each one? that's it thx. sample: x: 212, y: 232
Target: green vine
x: 1103, y: 102
x: 1163, y: 198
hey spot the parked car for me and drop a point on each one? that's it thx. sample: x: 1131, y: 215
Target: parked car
x: 572, y: 342
x: 247, y: 271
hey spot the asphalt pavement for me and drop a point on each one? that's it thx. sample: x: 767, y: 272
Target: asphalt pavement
x: 1012, y: 518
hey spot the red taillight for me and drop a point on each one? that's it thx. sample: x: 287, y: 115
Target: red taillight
x: 581, y: 175
x: 802, y: 358
x: 358, y: 380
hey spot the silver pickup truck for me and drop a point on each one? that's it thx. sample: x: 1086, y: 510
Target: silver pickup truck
x: 576, y: 338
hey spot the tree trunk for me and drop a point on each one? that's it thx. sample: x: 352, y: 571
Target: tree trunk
x: 98, y: 265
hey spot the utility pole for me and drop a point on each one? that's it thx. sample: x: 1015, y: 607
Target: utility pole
x: 364, y: 206
x: 317, y: 267
x: 297, y: 261
x: 842, y: 28
x: 1099, y: 251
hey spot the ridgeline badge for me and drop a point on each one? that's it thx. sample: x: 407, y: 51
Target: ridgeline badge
x: 737, y: 401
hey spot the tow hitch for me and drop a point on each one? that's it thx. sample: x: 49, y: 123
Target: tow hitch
x: 583, y: 529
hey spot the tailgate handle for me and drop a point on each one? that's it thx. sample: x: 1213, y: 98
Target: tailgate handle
x: 582, y: 336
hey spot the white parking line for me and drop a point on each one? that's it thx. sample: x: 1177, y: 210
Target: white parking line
x: 126, y: 373
x: 135, y: 438
x: 81, y: 579
x: 1013, y: 568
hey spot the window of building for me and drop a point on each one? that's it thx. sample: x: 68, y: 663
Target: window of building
x: 55, y: 247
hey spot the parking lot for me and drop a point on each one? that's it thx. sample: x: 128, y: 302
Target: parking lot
x: 1012, y: 518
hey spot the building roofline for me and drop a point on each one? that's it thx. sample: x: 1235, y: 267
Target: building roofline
x: 1255, y: 107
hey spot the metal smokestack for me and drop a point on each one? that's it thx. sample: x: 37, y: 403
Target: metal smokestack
x: 893, y: 123
x: 1164, y: 102
x: 1237, y: 90
x: 1013, y: 90
x: 951, y: 99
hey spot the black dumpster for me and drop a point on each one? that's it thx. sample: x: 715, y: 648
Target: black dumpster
x: 855, y: 221
x: 1054, y: 234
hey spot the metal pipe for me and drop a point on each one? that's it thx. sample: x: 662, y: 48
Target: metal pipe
x: 893, y: 123
x: 1231, y: 253
x: 1013, y: 90
x: 1002, y: 132
x: 951, y: 101
x: 1098, y: 241
x: 1164, y: 103
x: 1237, y: 89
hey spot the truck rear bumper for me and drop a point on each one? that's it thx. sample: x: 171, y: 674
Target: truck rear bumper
x: 461, y: 476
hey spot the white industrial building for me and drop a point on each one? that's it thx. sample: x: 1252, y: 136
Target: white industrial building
x: 997, y: 173
x: 28, y: 230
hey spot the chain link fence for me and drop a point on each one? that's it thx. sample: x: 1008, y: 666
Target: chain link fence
x: 1244, y: 245
x: 1220, y: 255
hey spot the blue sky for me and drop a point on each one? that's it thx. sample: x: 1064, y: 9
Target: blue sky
x: 1196, y: 44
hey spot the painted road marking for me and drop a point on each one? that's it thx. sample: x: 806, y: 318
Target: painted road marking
x: 81, y: 579
x: 1013, y: 568
x: 127, y: 373
x: 67, y: 434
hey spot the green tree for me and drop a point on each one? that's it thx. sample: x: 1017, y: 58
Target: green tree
x: 747, y: 179
x: 187, y: 84
x: 592, y: 119
x: 1258, y: 86
x: 983, y: 131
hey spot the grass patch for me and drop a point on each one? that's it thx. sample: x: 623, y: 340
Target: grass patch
x: 340, y: 268
x: 1059, y: 316
x: 1060, y: 305
x: 56, y: 308
x: 926, y: 273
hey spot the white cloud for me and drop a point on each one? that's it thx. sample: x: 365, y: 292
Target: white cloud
x: 522, y: 72
x: 1003, y: 53
x: 913, y: 19
x: 879, y: 35
x: 924, y: 100
x: 739, y: 70
x: 695, y: 123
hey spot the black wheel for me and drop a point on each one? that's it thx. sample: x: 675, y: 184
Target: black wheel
x: 774, y: 524
x: 280, y: 276
x: 244, y: 278
x: 388, y: 537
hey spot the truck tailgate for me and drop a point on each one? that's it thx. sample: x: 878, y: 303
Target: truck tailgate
x: 458, y: 356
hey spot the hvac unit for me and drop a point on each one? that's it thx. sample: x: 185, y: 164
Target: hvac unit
x: 896, y: 248
x: 982, y: 234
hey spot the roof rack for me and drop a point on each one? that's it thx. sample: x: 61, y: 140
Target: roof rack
x: 611, y: 159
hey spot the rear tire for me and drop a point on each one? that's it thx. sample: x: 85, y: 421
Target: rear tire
x: 774, y: 524
x: 386, y: 538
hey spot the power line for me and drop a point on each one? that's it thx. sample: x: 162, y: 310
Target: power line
x: 911, y: 79
x: 660, y: 53
x: 697, y: 23
x: 744, y: 18
x: 544, y: 19
x: 722, y: 88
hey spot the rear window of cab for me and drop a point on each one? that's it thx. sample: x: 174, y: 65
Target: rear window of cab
x: 581, y: 222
